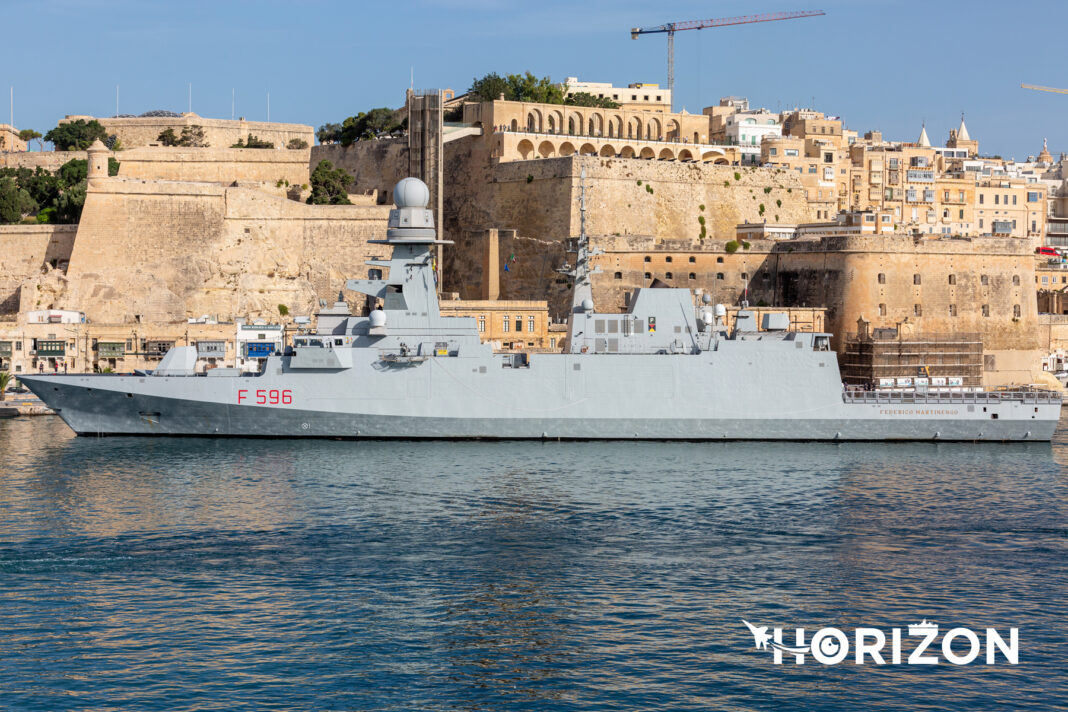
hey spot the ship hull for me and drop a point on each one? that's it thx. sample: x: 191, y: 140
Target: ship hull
x: 103, y: 405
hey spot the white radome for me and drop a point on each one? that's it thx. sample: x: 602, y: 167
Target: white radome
x: 378, y: 318
x: 411, y: 193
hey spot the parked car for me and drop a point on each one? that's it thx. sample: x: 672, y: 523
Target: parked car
x: 1049, y: 251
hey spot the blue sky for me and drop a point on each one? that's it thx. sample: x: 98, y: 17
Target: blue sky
x: 878, y: 64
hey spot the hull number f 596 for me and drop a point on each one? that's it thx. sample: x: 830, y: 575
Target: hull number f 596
x: 264, y: 396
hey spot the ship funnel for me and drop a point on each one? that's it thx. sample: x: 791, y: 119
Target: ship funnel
x: 410, y: 221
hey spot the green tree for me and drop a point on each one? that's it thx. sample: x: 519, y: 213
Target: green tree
x: 329, y: 185
x: 28, y: 135
x: 490, y: 87
x: 5, y: 380
x: 70, y: 203
x: 42, y: 186
x: 252, y: 142
x: 76, y: 135
x: 113, y: 143
x: 329, y: 133
x: 167, y: 137
x: 193, y: 136
x: 582, y: 98
x: 369, y: 125
x: 14, y: 201
x: 297, y: 144
x: 73, y: 171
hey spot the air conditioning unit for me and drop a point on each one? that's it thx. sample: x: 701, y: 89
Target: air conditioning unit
x: 33, y: 352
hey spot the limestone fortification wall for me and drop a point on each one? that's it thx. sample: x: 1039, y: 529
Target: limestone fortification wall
x: 214, y: 165
x: 163, y: 251
x: 219, y: 133
x: 375, y: 166
x: 843, y: 274
x: 28, y: 252
x: 49, y: 160
x: 538, y: 199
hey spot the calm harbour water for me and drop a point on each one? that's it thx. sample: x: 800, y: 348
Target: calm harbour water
x: 268, y: 574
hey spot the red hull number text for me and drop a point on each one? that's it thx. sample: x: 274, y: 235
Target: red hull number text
x: 264, y: 396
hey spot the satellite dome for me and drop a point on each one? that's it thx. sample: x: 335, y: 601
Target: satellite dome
x: 587, y: 305
x: 411, y: 193
x: 378, y: 318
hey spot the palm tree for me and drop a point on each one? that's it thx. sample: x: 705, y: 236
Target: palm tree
x: 5, y: 379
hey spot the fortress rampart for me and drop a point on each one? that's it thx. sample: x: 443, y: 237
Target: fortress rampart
x: 219, y: 133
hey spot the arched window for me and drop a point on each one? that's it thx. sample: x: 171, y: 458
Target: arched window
x: 648, y: 258
x: 882, y: 278
x: 667, y: 259
x: 693, y: 275
x: 984, y: 280
x: 986, y: 310
x: 952, y: 279
x: 882, y: 310
x: 618, y: 275
x: 669, y: 276
x: 745, y: 276
x: 719, y: 275
x: 1016, y: 280
x: 648, y: 275
x: 719, y: 260
x: 917, y: 310
x: 1016, y: 311
x: 692, y: 259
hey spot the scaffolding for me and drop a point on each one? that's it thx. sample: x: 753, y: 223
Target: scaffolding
x: 867, y: 358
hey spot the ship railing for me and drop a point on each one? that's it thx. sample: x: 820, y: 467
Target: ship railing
x: 1021, y: 395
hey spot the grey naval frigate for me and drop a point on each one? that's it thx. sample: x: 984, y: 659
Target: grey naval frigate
x: 668, y: 368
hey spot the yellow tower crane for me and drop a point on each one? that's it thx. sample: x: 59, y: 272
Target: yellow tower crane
x: 1038, y: 88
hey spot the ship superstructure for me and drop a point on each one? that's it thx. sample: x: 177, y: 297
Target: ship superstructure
x: 667, y: 368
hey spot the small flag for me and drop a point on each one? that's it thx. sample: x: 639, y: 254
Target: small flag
x: 506, y: 268
x: 512, y: 257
